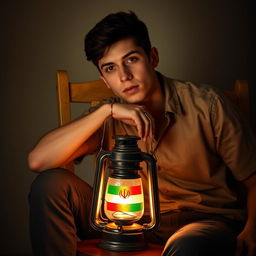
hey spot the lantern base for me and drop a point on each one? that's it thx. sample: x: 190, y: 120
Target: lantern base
x: 125, y: 242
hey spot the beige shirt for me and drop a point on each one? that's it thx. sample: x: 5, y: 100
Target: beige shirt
x: 204, y: 149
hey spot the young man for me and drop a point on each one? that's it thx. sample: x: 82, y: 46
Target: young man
x: 204, y: 151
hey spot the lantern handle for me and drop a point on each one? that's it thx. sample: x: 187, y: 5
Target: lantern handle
x: 153, y: 192
x: 95, y: 220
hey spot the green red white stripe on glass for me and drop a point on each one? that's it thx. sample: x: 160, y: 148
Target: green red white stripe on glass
x: 124, y: 198
x: 124, y: 191
x: 124, y: 207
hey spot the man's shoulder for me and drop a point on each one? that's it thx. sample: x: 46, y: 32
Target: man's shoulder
x: 186, y: 95
x: 192, y: 89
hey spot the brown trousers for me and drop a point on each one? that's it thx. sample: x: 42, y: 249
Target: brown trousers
x: 59, y: 211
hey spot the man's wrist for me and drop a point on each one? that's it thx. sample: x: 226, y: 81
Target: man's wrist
x: 111, y: 109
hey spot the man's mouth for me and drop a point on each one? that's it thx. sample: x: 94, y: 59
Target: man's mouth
x: 132, y: 89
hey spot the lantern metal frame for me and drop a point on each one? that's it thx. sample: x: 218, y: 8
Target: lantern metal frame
x: 125, y: 160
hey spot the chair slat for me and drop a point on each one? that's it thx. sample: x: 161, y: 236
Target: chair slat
x: 88, y: 92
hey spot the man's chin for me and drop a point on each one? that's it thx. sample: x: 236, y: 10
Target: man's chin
x: 133, y: 100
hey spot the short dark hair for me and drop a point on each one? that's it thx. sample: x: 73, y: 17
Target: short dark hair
x: 113, y: 28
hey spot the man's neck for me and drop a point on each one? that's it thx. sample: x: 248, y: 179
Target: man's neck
x: 156, y: 104
x: 156, y: 107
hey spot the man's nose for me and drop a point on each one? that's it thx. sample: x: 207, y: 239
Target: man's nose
x: 125, y: 73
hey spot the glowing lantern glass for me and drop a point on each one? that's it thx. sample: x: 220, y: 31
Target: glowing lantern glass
x: 118, y: 202
x: 124, y: 200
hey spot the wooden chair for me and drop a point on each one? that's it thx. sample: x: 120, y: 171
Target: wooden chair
x: 92, y: 93
x: 240, y: 96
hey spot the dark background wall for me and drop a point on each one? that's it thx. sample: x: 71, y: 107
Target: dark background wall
x: 203, y: 41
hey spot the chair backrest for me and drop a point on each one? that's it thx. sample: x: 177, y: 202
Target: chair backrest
x: 92, y: 92
x: 240, y: 96
x: 87, y: 92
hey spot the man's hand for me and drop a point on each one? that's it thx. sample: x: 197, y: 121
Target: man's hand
x: 135, y: 115
x: 246, y: 242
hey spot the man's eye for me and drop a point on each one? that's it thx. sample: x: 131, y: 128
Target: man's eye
x: 132, y: 59
x: 109, y: 69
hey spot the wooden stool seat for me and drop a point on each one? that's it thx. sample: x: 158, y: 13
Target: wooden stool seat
x: 90, y: 248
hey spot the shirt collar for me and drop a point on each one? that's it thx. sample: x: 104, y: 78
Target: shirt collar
x: 172, y: 102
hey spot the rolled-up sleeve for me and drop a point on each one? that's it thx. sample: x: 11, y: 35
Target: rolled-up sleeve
x: 235, y: 141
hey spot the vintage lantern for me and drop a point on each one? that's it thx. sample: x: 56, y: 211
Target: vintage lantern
x: 118, y: 201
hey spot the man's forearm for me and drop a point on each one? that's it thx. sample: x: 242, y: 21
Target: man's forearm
x: 59, y: 145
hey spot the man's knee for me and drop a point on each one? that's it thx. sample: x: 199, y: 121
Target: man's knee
x: 56, y: 184
x: 50, y: 183
x: 186, y: 242
x: 184, y: 246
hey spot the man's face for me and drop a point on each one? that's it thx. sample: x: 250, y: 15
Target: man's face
x: 129, y: 72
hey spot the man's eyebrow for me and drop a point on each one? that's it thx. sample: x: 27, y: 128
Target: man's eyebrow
x: 106, y: 64
x: 130, y: 53
x: 125, y: 56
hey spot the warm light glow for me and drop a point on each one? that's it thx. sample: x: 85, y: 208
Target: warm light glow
x: 124, y: 200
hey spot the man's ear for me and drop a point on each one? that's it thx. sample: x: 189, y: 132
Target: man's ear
x: 154, y: 57
x: 106, y: 83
